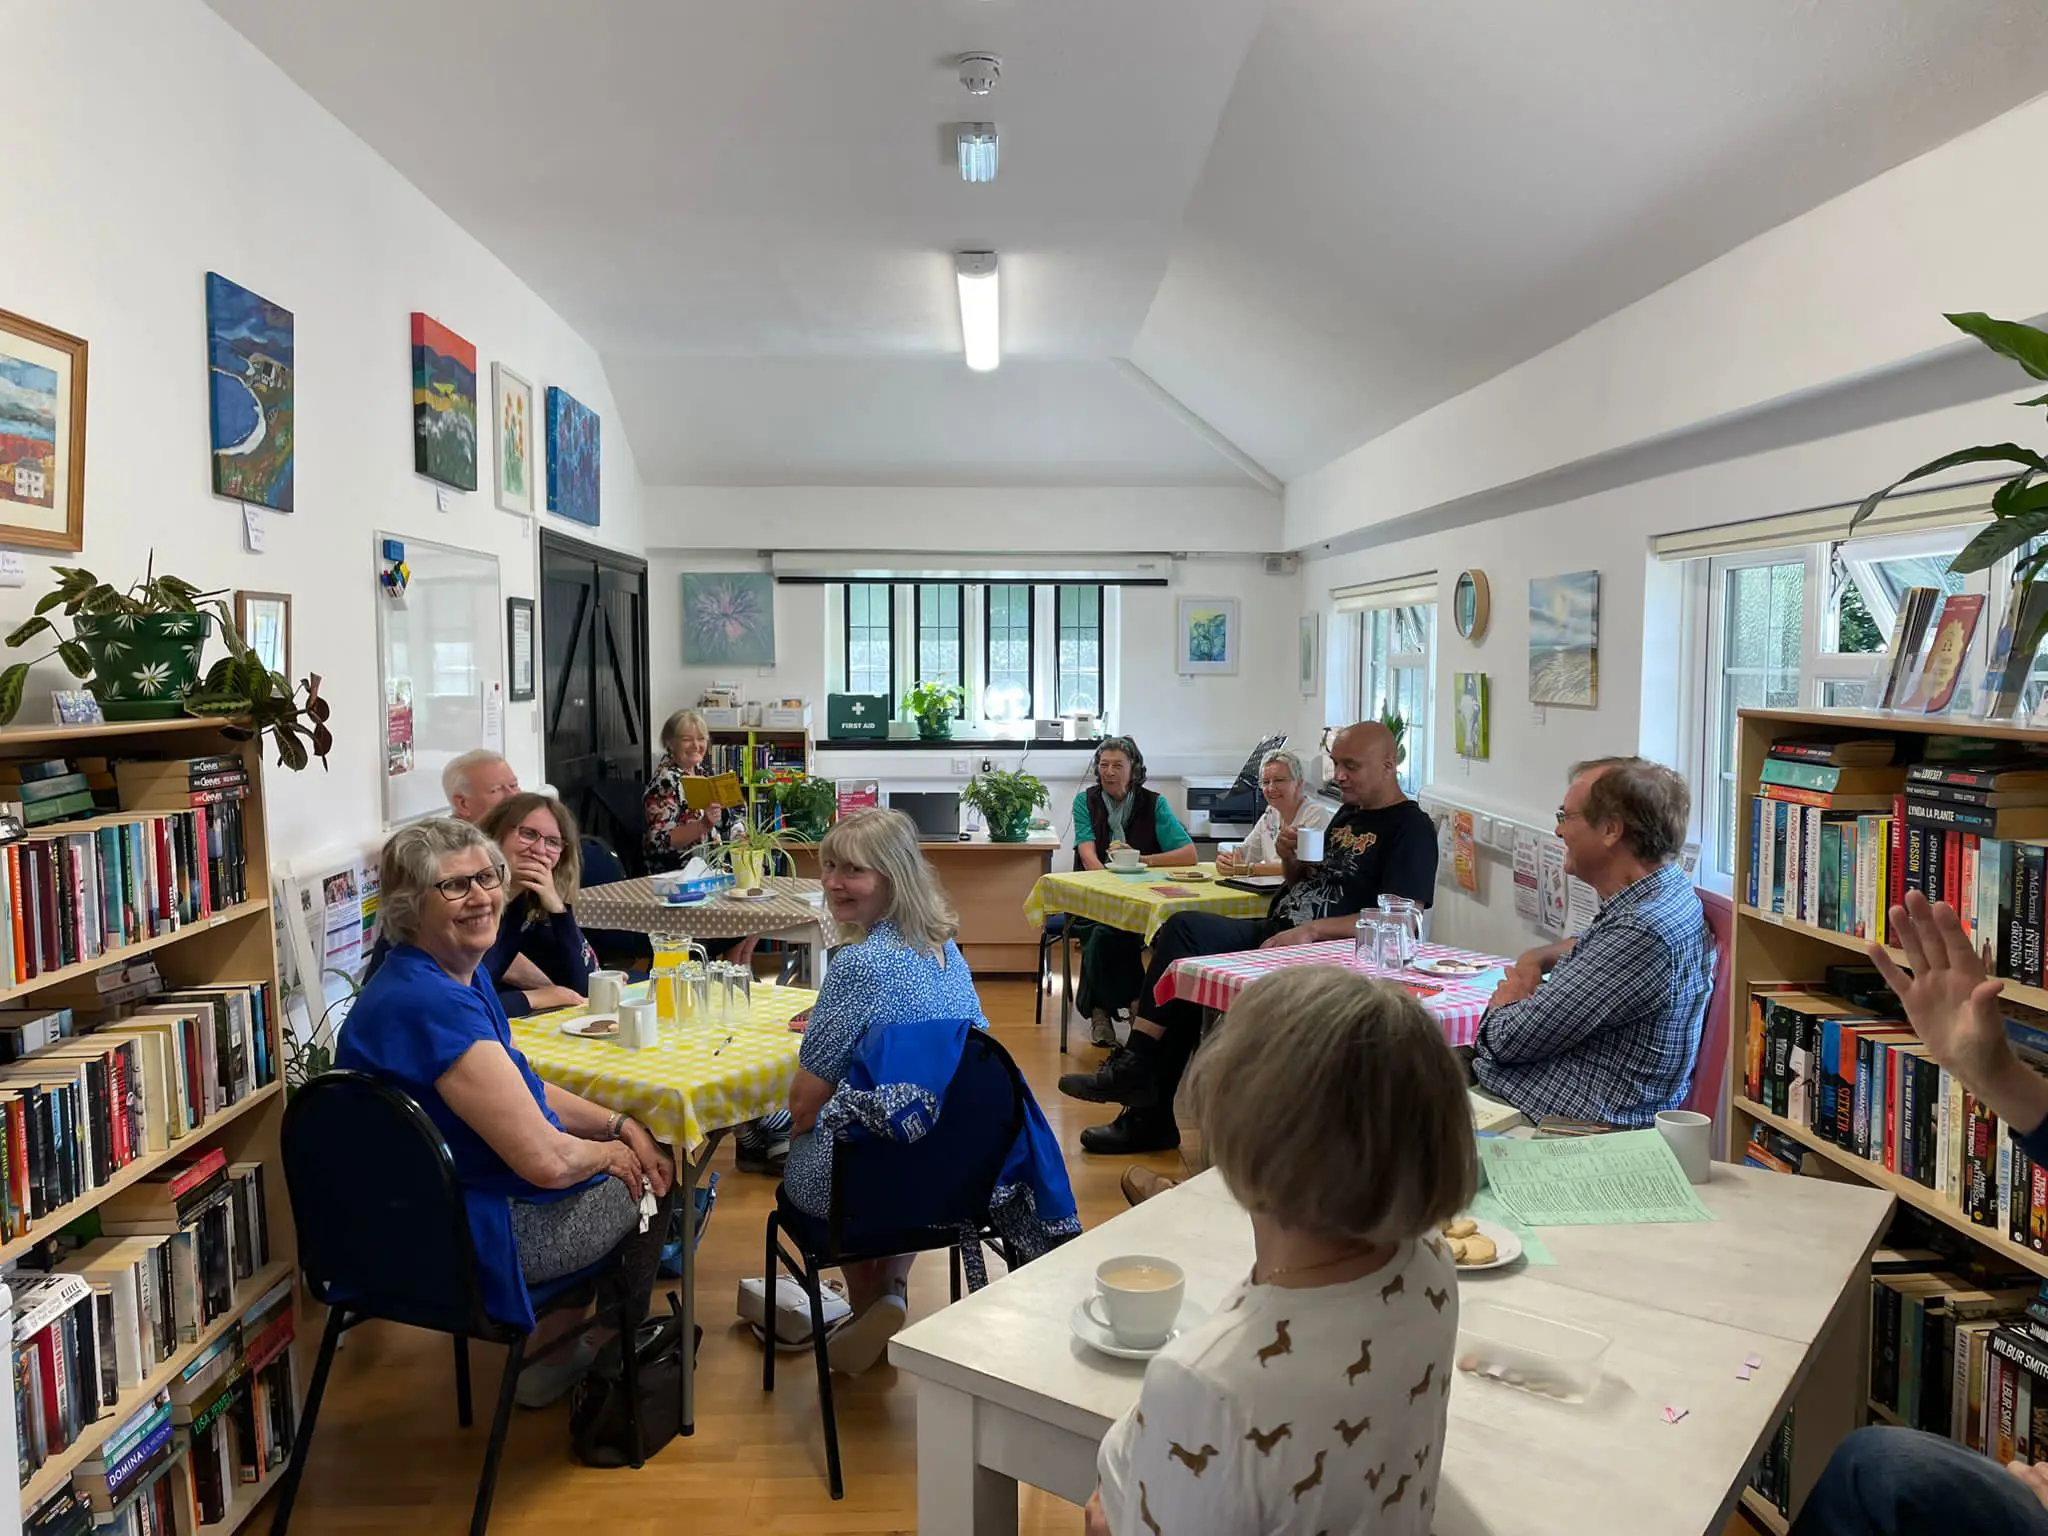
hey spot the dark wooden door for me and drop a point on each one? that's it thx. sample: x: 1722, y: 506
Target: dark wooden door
x: 593, y: 629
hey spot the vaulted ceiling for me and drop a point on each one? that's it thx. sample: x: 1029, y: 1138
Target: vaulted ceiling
x: 1235, y: 236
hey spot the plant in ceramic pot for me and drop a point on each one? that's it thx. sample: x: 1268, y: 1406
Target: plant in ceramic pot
x: 807, y: 804
x: 933, y: 706
x: 748, y: 851
x: 1005, y: 798
x: 139, y: 652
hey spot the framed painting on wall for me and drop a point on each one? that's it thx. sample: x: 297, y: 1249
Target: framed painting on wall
x: 42, y: 436
x: 1309, y: 661
x: 1470, y: 725
x: 519, y: 647
x: 572, y: 458
x: 728, y: 619
x: 1564, y: 640
x: 443, y: 404
x: 1206, y: 637
x: 512, y: 405
x: 249, y: 374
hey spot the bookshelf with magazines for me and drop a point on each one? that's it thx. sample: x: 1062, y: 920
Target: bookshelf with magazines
x: 145, y: 1232
x: 1837, y: 813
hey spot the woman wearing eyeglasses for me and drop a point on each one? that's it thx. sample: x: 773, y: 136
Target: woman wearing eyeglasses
x: 552, y: 1182
x: 544, y: 865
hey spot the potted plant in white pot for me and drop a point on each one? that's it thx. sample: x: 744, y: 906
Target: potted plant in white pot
x: 1005, y: 798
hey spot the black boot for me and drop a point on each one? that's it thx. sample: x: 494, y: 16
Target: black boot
x: 1135, y: 1130
x: 1128, y: 1075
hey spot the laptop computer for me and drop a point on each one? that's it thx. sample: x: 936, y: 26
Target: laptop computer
x: 937, y: 813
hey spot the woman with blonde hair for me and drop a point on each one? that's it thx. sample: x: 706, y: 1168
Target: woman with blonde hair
x: 898, y: 971
x: 544, y: 860
x: 1337, y: 1116
x: 673, y: 829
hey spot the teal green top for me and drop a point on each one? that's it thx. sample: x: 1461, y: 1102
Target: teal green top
x: 1171, y: 833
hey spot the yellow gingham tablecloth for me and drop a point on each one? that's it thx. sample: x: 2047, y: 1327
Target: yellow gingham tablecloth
x: 1138, y: 904
x: 702, y: 1077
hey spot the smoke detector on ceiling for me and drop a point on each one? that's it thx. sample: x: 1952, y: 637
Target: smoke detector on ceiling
x: 979, y: 72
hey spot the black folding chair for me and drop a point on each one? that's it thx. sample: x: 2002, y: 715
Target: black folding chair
x: 383, y: 1233
x: 894, y: 1197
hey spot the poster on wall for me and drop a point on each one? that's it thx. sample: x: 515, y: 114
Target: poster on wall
x: 1553, y: 902
x: 1465, y: 852
x: 1564, y: 640
x: 1582, y: 905
x: 1527, y: 906
x: 398, y: 727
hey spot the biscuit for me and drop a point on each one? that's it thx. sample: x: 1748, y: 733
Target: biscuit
x: 1457, y: 1247
x: 1464, y: 1226
x: 1478, y: 1250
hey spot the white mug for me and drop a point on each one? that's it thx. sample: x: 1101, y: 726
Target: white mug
x: 1137, y: 1298
x: 1690, y: 1137
x: 605, y: 987
x: 639, y: 1026
x: 1309, y: 847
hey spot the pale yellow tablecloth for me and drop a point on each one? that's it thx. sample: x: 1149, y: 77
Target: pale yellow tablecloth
x: 1137, y: 904
x: 702, y: 1078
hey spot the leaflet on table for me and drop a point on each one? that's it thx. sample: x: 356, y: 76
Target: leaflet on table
x: 1627, y: 1177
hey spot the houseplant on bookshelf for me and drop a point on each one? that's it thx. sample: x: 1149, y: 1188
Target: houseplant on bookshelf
x: 932, y: 705
x: 1005, y: 798
x: 139, y: 652
x: 806, y: 803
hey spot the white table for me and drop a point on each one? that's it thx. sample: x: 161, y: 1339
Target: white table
x: 1005, y: 1394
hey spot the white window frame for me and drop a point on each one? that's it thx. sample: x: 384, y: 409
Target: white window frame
x: 1421, y: 736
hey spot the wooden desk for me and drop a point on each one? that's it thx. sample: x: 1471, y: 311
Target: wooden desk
x: 1006, y: 1394
x: 988, y: 883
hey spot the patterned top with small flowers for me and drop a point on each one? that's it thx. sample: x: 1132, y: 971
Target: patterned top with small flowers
x: 1295, y: 1410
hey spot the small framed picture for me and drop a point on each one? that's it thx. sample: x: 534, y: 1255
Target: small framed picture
x: 42, y: 436
x: 74, y: 706
x: 519, y: 646
x: 265, y: 622
x: 1310, y: 660
x: 1206, y: 638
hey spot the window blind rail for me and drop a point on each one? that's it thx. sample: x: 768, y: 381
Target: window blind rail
x: 1956, y: 506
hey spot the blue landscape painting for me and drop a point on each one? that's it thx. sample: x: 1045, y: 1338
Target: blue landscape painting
x: 249, y: 371
x: 572, y: 457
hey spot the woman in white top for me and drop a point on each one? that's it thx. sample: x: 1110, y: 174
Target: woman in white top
x: 1315, y: 1398
x: 1288, y: 804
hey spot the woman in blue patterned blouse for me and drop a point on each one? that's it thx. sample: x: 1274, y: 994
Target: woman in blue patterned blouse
x: 897, y: 965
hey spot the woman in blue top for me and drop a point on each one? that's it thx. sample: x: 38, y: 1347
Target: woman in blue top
x: 897, y: 965
x: 553, y: 1182
x: 1118, y: 811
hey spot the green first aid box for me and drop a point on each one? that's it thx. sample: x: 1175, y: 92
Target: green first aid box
x: 854, y: 716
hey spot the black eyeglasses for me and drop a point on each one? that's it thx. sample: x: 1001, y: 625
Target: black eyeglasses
x: 456, y: 887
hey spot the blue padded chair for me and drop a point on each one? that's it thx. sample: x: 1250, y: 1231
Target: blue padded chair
x: 893, y: 1197
x: 383, y: 1233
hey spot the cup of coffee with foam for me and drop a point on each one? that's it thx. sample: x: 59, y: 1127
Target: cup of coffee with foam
x: 1137, y: 1297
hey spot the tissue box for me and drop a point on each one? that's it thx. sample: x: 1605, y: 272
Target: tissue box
x: 721, y: 719
x: 792, y: 1309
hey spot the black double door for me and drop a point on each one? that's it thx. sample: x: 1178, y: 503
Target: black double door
x: 593, y: 631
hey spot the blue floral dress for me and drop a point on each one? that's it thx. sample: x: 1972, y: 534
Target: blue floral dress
x: 869, y: 985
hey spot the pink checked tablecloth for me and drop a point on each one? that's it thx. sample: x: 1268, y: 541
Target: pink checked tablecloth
x: 1214, y: 981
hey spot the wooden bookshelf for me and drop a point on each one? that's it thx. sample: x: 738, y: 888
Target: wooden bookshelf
x: 1881, y: 1413
x: 245, y: 1501
x: 1764, y: 1512
x: 53, y: 1474
x: 2012, y: 991
x: 236, y: 944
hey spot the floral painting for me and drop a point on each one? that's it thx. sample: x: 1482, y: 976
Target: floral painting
x: 1206, y: 635
x: 572, y: 458
x: 513, y: 398
x: 1564, y: 639
x: 249, y: 374
x: 728, y: 619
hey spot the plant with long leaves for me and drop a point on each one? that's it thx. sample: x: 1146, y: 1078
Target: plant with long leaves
x: 2019, y: 507
x: 239, y: 688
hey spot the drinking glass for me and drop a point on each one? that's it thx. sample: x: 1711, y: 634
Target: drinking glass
x: 739, y: 991
x: 1376, y: 942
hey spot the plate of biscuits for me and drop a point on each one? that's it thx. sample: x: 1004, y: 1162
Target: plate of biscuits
x: 1476, y: 1244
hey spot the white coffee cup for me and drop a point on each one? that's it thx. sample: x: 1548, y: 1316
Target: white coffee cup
x: 1126, y: 858
x: 1309, y: 847
x: 1137, y: 1298
x: 1690, y: 1137
x: 639, y: 1028
x: 605, y: 987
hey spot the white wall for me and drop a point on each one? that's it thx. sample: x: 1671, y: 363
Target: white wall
x: 148, y: 144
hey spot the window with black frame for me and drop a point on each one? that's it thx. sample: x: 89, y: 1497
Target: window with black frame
x: 1008, y: 640
x: 871, y: 639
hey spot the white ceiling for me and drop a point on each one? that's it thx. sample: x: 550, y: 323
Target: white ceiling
x: 1306, y: 219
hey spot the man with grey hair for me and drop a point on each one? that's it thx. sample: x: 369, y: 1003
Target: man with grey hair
x: 476, y: 781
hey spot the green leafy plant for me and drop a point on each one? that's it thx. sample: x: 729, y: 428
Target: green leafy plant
x: 2019, y: 507
x: 1398, y: 728
x: 932, y: 705
x: 1005, y: 798
x: 238, y: 688
x: 807, y: 804
x: 307, y: 1059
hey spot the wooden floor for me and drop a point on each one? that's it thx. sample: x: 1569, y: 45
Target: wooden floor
x: 388, y: 1455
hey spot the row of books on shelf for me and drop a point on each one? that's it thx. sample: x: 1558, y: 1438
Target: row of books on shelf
x: 73, y: 891
x: 756, y: 762
x: 1836, y: 846
x: 145, y: 1274
x: 1773, y: 1475
x: 1929, y: 649
x: 85, y: 1093
x: 1837, y: 1060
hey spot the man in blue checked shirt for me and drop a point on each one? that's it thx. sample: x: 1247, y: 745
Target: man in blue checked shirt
x: 1606, y: 1027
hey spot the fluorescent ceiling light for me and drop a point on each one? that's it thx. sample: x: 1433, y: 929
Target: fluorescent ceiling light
x: 980, y: 308
x: 978, y: 150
